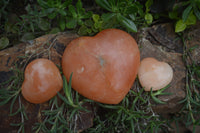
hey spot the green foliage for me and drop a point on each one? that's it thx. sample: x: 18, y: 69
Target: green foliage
x: 47, y: 16
x: 69, y: 100
x: 4, y: 42
x: 54, y: 8
x: 77, y: 15
x: 159, y: 93
x: 10, y: 93
x: 3, y: 12
x: 122, y: 12
x: 189, y: 114
x: 184, y: 13
x: 62, y: 117
x: 187, y: 16
x: 148, y: 16
x: 133, y: 114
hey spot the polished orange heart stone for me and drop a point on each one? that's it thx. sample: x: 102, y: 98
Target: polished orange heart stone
x: 154, y: 74
x: 42, y: 81
x: 104, y: 66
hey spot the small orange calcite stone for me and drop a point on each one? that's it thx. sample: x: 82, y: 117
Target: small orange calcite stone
x: 104, y: 66
x: 154, y: 74
x: 42, y: 81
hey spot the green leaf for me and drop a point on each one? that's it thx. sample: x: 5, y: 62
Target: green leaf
x: 51, y: 3
x: 180, y: 26
x: 72, y: 11
x: 70, y: 80
x: 160, y: 92
x: 4, y: 42
x: 83, y: 30
x: 27, y: 36
x: 155, y: 99
x: 52, y: 15
x: 186, y: 13
x: 98, y: 25
x: 66, y: 3
x: 148, y: 4
x: 173, y: 15
x: 132, y: 16
x: 12, y: 103
x: 43, y: 24
x: 149, y: 18
x: 79, y: 6
x: 95, y: 17
x: 28, y: 8
x: 42, y: 3
x: 108, y: 16
x: 191, y: 19
x: 54, y: 30
x: 67, y: 89
x: 89, y: 23
x: 104, y: 4
x: 109, y: 106
x: 5, y: 101
x: 49, y: 10
x: 87, y: 15
x: 71, y: 24
x: 32, y: 26
x: 63, y: 98
x: 197, y: 13
x: 62, y: 23
x: 13, y: 28
x: 130, y: 25
x: 62, y: 12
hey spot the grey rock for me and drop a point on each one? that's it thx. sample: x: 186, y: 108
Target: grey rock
x: 177, y: 86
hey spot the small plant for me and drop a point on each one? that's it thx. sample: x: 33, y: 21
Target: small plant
x: 133, y: 114
x: 55, y: 10
x: 189, y: 114
x: 10, y: 93
x: 32, y: 23
x: 183, y: 13
x: 148, y: 16
x: 121, y: 12
x: 69, y: 99
x: 188, y: 15
x: 77, y: 15
x: 62, y: 116
x: 48, y: 16
x: 159, y: 93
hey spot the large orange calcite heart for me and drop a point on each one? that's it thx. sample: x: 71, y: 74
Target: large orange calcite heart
x: 154, y: 74
x: 104, y: 66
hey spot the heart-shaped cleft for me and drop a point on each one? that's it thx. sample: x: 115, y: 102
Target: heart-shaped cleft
x: 104, y: 66
x: 154, y: 74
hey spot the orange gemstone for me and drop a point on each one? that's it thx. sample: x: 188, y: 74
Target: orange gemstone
x: 154, y: 74
x: 42, y: 81
x: 104, y: 66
